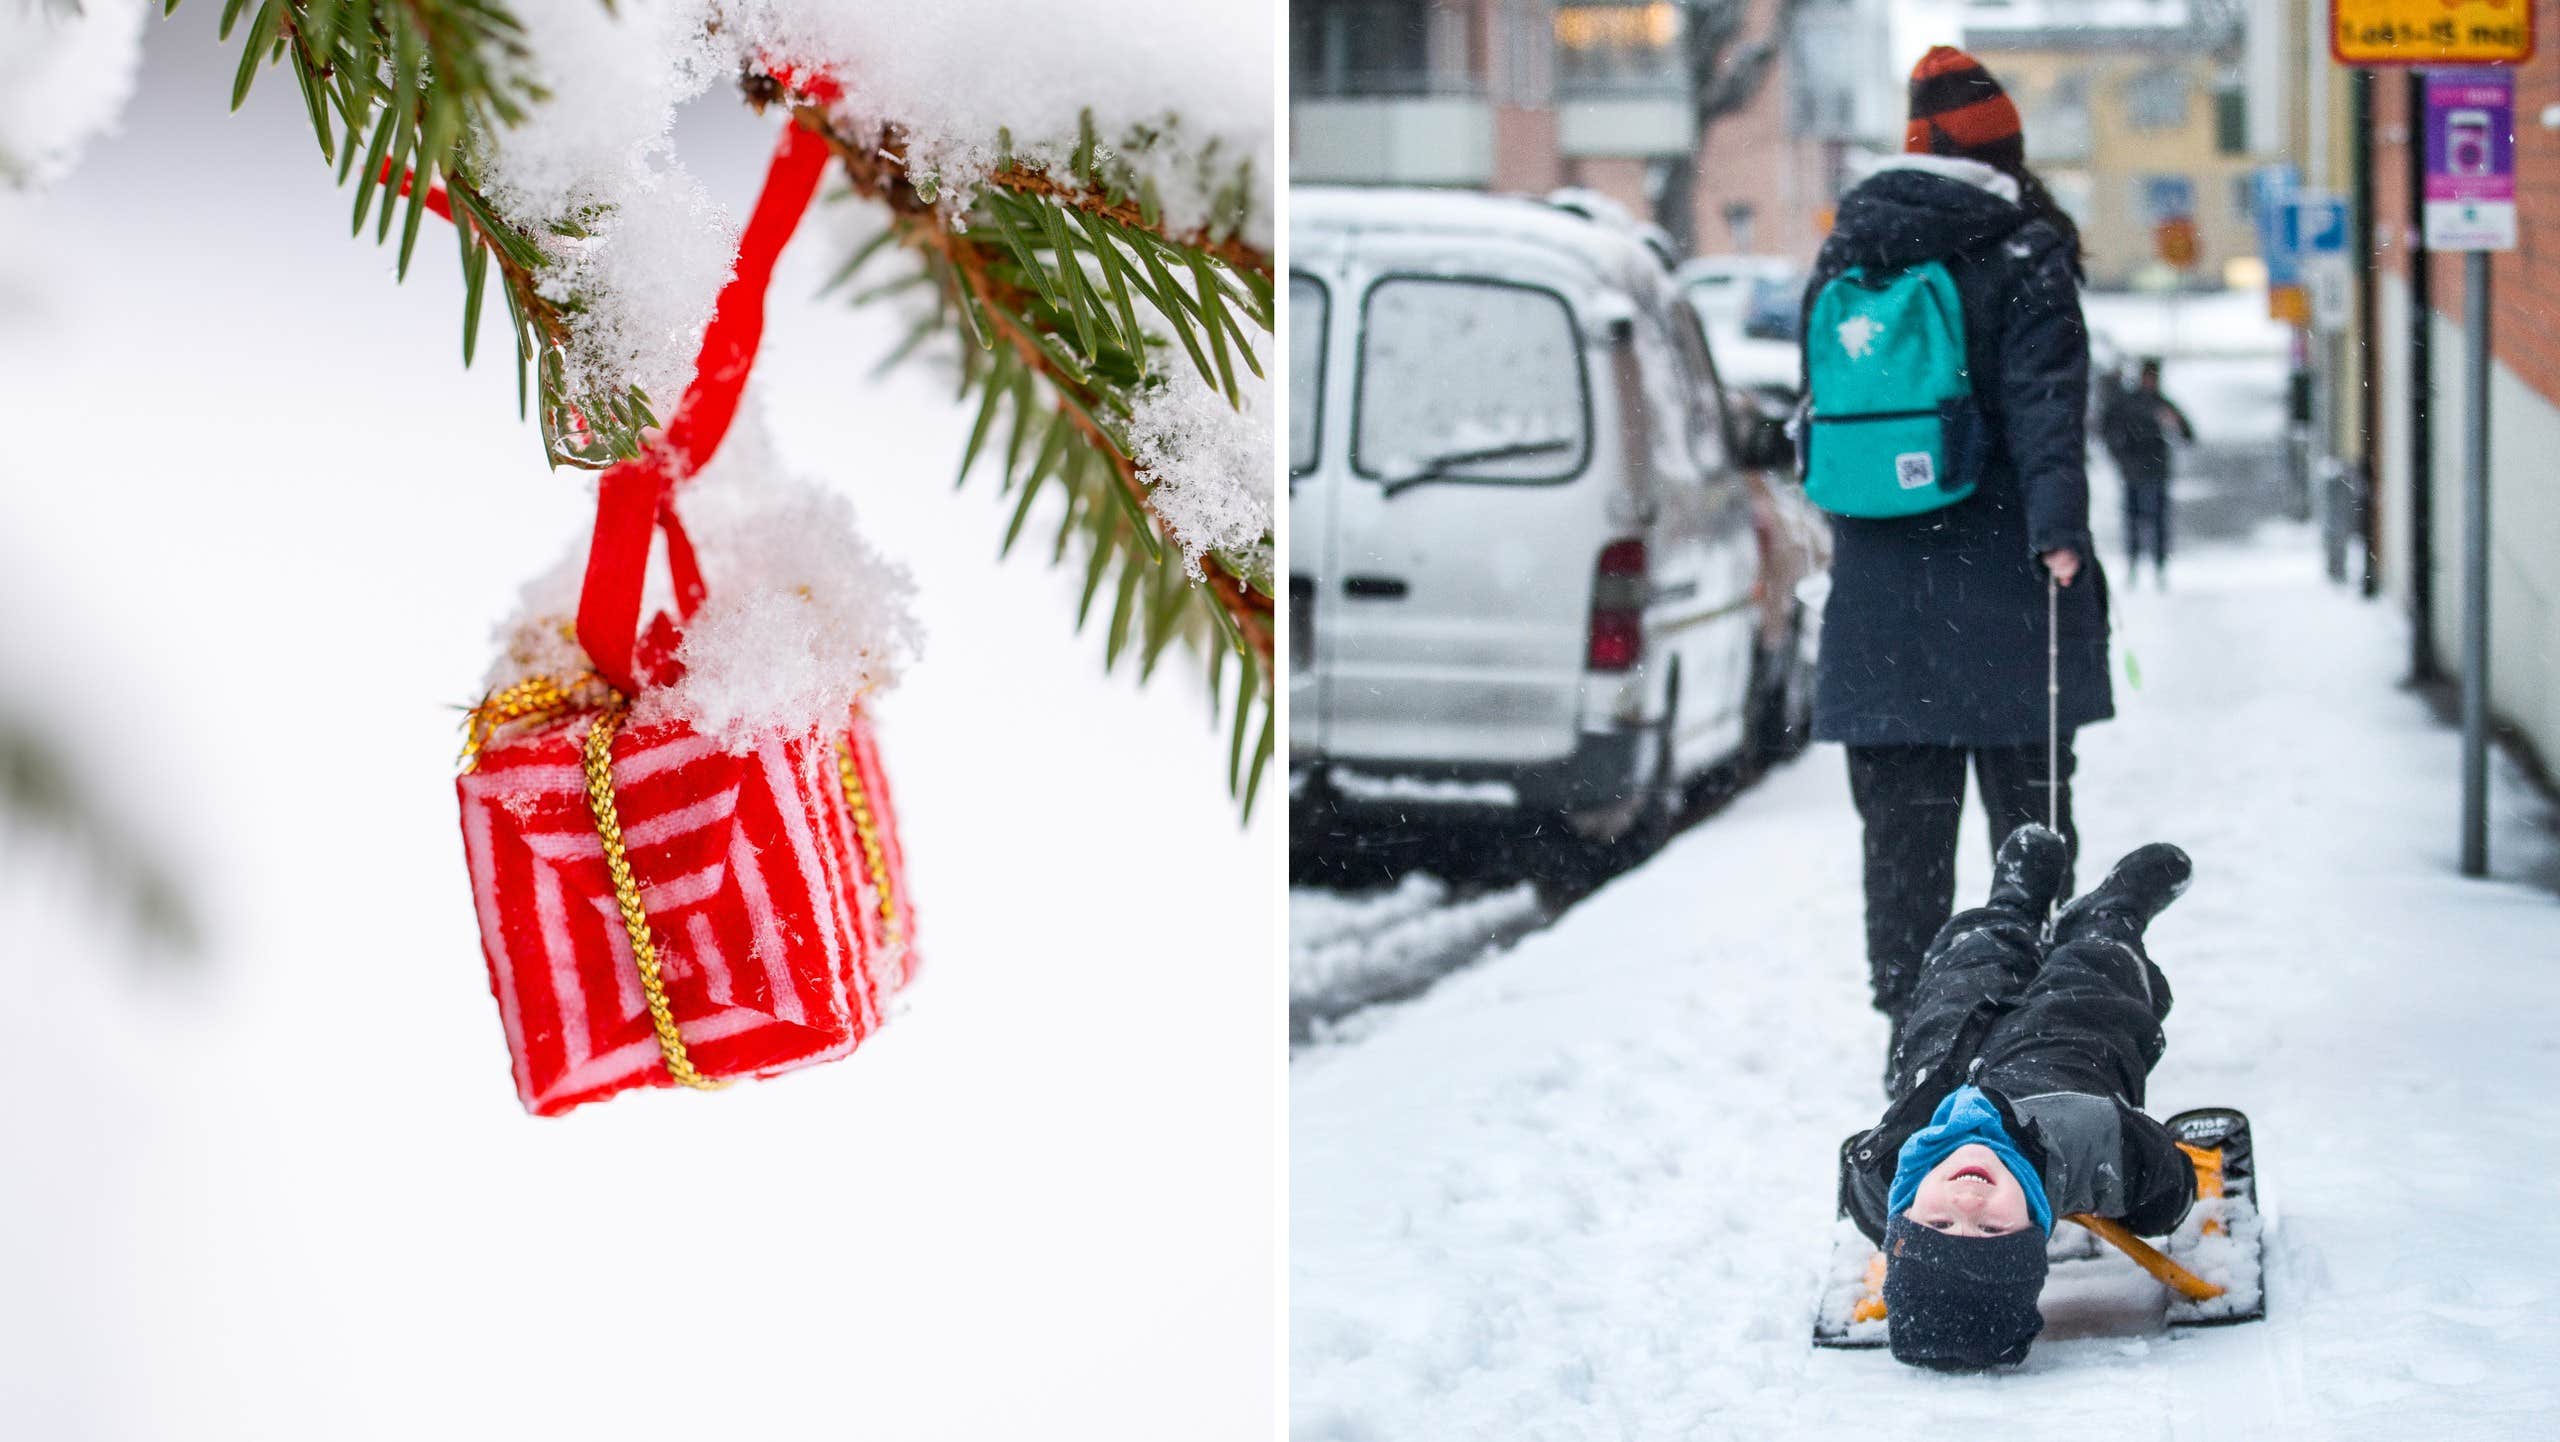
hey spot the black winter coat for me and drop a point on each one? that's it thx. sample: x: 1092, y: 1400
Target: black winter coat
x: 2135, y: 424
x: 1935, y: 630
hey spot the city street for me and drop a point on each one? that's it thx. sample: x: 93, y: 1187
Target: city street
x: 1583, y: 1187
x: 1387, y: 909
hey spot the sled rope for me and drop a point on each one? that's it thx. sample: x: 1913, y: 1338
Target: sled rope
x: 2052, y: 704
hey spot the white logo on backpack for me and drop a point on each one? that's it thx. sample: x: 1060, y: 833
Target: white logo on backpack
x: 1858, y: 335
x: 1915, y: 469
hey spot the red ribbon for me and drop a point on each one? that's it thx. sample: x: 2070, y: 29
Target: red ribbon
x: 436, y: 199
x: 637, y: 497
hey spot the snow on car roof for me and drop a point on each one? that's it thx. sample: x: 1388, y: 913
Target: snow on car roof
x: 1615, y: 256
x: 1736, y: 267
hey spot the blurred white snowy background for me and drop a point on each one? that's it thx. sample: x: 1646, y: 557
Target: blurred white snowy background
x: 255, y: 523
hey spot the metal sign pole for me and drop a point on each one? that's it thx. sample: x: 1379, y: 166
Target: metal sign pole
x: 2422, y: 396
x: 2469, y: 134
x: 2475, y: 565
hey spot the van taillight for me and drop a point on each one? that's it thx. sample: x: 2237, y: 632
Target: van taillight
x: 1617, y: 607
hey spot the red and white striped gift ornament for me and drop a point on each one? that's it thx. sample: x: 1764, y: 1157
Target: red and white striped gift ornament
x: 773, y: 893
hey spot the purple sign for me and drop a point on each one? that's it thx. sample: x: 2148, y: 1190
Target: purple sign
x: 2471, y: 160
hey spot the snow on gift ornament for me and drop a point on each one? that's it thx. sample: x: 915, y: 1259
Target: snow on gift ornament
x: 657, y: 909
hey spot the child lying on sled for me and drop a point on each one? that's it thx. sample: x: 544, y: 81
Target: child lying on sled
x: 2017, y: 1084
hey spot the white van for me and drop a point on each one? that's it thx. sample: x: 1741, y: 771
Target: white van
x: 1524, y: 574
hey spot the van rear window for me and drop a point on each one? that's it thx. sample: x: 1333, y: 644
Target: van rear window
x: 1472, y: 380
x: 1307, y: 335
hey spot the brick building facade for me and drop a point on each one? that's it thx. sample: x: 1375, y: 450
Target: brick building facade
x: 2524, y: 479
x: 1502, y: 95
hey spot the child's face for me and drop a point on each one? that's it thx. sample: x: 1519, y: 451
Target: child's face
x: 1970, y: 1194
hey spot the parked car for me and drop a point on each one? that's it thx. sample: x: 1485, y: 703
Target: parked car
x: 1528, y: 558
x: 1722, y: 287
x: 1752, y: 306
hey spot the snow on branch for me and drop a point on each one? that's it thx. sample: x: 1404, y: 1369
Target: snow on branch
x: 66, y: 71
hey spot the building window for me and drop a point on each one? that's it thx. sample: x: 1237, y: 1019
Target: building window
x: 2157, y: 99
x: 1822, y: 71
x: 1605, y: 49
x: 1531, y: 48
x: 1364, y: 47
x: 2057, y: 121
x: 2230, y: 121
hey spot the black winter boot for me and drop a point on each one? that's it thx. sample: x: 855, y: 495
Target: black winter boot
x: 2140, y: 888
x: 2029, y: 871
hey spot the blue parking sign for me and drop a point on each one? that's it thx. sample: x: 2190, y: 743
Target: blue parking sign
x: 2169, y: 197
x: 2319, y: 225
x: 2271, y: 195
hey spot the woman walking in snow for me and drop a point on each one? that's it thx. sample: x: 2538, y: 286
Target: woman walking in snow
x: 1934, y: 639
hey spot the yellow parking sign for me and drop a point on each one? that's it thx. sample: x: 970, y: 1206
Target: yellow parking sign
x: 2431, y: 32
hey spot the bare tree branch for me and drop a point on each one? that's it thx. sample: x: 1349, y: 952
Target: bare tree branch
x: 1726, y: 73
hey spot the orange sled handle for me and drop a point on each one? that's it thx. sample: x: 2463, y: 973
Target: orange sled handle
x: 2150, y: 1259
x: 2208, y: 1165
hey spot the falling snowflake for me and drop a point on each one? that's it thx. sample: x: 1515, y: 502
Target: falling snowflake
x: 1858, y: 335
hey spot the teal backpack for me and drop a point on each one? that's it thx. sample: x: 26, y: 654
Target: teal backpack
x: 1891, y: 429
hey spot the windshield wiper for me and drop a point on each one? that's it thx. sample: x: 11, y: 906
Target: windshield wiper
x: 1438, y: 467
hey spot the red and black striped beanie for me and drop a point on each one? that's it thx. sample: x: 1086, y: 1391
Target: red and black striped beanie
x: 1958, y: 109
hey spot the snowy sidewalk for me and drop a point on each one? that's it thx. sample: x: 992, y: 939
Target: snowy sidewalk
x: 1582, y: 1189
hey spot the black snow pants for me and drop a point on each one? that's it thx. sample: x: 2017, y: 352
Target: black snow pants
x: 1911, y: 802
x: 2082, y: 1017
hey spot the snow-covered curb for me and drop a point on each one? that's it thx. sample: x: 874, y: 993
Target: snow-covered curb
x: 1347, y: 952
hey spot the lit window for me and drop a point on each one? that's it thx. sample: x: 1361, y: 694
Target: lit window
x: 1605, y: 47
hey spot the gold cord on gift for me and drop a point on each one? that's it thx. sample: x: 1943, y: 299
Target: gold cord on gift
x: 867, y: 831
x: 635, y: 919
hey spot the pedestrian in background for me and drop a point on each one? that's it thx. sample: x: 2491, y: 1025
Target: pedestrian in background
x: 1934, y: 639
x: 2135, y: 423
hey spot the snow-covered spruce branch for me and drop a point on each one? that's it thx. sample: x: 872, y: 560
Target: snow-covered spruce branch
x: 398, y: 92
x: 543, y: 130
x: 1066, y: 291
